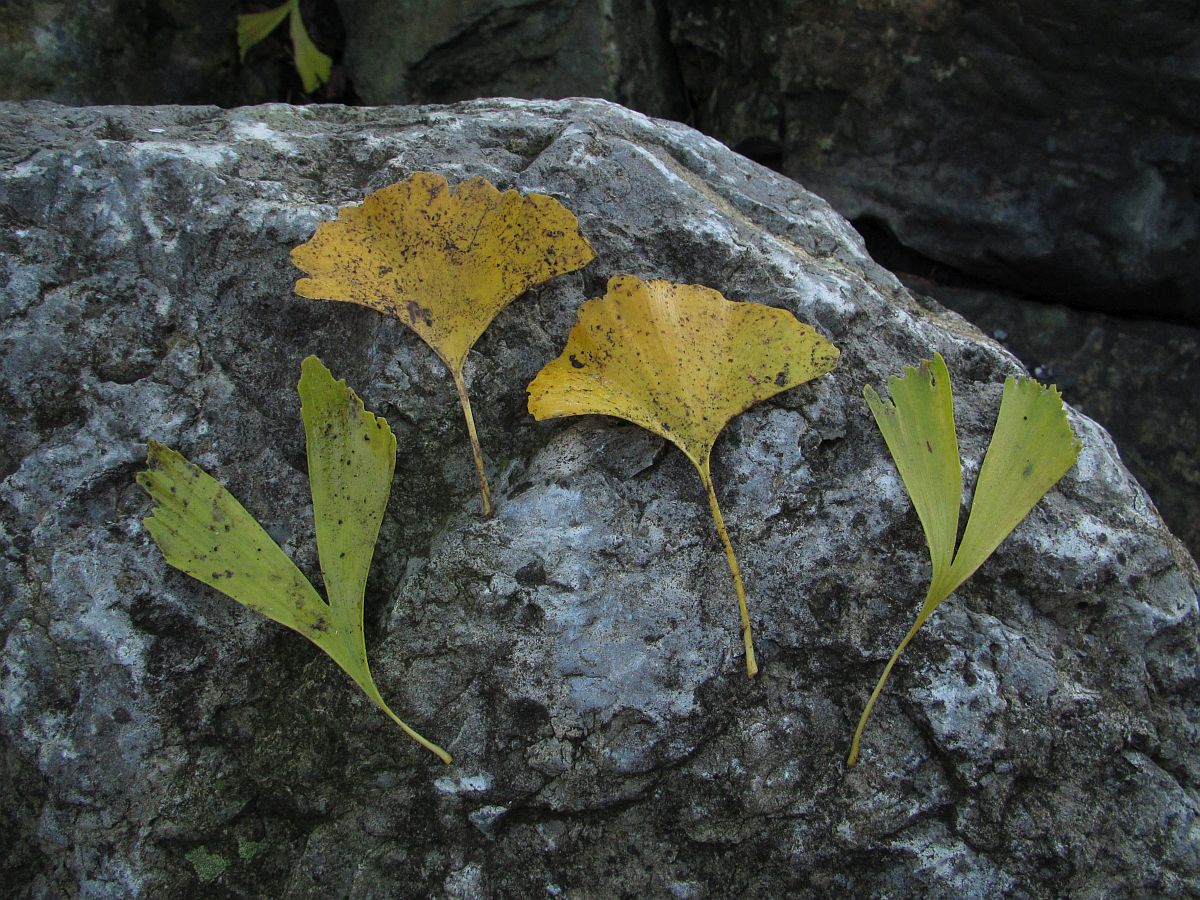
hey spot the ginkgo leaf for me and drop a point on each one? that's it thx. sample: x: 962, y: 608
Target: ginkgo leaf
x: 312, y: 65
x: 203, y: 531
x: 443, y: 261
x: 253, y: 28
x: 918, y: 427
x: 681, y: 361
x: 1031, y: 448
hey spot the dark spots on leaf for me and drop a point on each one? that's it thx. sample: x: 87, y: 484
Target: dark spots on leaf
x: 366, y: 437
x: 417, y: 311
x: 929, y: 446
x: 666, y: 427
x: 342, y: 555
x: 228, y: 527
x: 216, y: 576
x: 385, y: 270
x: 575, y: 362
x: 1028, y: 470
x: 782, y: 378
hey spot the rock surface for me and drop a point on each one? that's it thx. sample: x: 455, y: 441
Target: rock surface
x: 1049, y: 146
x: 578, y: 652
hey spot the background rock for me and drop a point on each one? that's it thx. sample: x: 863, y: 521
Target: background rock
x: 1046, y: 145
x: 118, y: 51
x: 577, y: 653
x: 427, y: 50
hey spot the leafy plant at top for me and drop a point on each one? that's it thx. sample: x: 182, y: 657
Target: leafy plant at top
x: 444, y: 262
x: 312, y: 65
x: 1032, y: 447
x: 203, y: 531
x: 681, y: 361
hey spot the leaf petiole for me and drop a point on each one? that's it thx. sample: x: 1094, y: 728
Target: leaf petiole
x: 461, y: 386
x: 887, y: 671
x: 735, y: 570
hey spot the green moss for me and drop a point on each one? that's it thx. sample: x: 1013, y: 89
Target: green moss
x: 248, y: 849
x: 208, y: 866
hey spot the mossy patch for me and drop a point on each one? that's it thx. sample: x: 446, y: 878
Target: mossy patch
x: 208, y: 866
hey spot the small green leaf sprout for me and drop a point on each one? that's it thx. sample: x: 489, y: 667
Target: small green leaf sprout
x: 1032, y: 447
x: 203, y: 531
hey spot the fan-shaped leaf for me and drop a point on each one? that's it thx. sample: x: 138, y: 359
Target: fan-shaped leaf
x: 253, y: 28
x: 918, y: 426
x: 1032, y: 447
x: 312, y: 65
x: 203, y: 531
x: 444, y: 261
x: 681, y: 361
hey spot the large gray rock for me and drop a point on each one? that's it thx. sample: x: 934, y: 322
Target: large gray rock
x: 578, y: 652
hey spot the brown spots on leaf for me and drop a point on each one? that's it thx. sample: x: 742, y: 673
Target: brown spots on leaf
x: 418, y: 313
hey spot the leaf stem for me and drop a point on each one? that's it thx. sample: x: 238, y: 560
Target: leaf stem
x: 428, y: 745
x: 461, y: 386
x: 866, y: 714
x: 747, y: 637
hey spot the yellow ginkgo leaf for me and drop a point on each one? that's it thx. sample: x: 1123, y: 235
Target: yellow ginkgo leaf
x: 444, y: 261
x: 681, y: 361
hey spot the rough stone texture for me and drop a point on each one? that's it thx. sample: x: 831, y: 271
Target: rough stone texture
x: 1138, y: 378
x: 577, y: 652
x: 1047, y: 145
x: 415, y: 51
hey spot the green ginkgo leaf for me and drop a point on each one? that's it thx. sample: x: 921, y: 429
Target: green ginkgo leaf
x: 312, y: 65
x: 203, y: 531
x: 1032, y: 447
x: 253, y: 28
